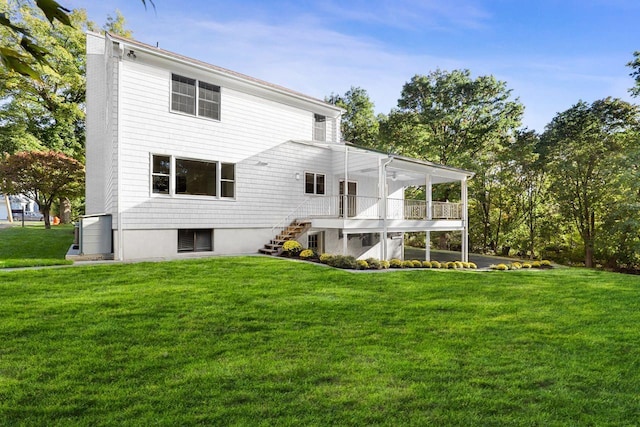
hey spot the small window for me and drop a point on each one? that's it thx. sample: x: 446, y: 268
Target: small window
x: 228, y: 180
x: 195, y: 240
x: 314, y: 183
x: 185, y: 92
x: 319, y: 128
x: 161, y: 174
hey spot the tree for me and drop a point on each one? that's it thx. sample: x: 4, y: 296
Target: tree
x: 27, y: 52
x: 47, y: 113
x: 585, y: 148
x: 42, y: 176
x: 359, y: 123
x: 635, y: 64
x: 462, y: 116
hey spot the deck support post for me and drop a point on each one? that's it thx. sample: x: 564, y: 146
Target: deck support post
x: 465, y: 220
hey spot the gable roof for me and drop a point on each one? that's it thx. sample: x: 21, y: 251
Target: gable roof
x: 134, y: 44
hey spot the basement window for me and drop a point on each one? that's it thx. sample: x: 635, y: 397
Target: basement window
x: 195, y: 240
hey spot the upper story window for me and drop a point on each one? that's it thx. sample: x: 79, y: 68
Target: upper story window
x: 319, y: 128
x: 192, y: 177
x: 314, y: 183
x: 194, y: 97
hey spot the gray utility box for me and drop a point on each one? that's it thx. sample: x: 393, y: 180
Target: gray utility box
x: 96, y: 235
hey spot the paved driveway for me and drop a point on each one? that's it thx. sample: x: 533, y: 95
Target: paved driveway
x: 482, y: 261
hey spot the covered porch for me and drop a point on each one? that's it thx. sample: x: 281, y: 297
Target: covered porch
x: 373, y: 199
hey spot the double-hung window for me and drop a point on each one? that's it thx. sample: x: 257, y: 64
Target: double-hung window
x: 178, y: 176
x: 319, y: 128
x: 197, y: 98
x: 314, y: 183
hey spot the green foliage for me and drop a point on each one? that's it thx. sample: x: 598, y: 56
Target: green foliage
x: 384, y: 264
x: 500, y: 267
x: 536, y: 264
x: 374, y: 264
x: 395, y: 263
x: 291, y: 248
x: 436, y: 264
x: 473, y: 265
x: 407, y: 264
x: 526, y: 265
x: 307, y: 253
x: 426, y: 264
x: 451, y: 265
x: 43, y: 176
x: 359, y: 123
x: 362, y: 264
x: 325, y: 258
x: 343, y: 261
x: 635, y: 65
x: 416, y: 264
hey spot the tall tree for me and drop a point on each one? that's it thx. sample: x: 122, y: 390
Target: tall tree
x: 635, y: 65
x: 359, y: 123
x: 463, y: 116
x: 41, y: 176
x: 585, y: 147
x: 47, y: 112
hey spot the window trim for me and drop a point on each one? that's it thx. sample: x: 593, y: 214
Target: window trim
x: 196, y: 98
x: 315, y: 183
x: 172, y: 179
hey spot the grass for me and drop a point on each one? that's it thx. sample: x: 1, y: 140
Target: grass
x: 33, y: 245
x: 261, y: 341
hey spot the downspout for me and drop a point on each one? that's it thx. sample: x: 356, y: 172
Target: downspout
x: 383, y: 197
x: 120, y: 255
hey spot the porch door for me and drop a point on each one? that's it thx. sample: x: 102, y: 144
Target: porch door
x: 352, y: 191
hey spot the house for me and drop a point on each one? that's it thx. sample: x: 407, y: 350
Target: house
x: 11, y: 207
x: 188, y: 159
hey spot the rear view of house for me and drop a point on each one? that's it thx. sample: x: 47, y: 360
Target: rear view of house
x: 188, y: 159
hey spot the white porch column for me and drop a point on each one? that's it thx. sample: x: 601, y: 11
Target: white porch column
x: 8, y: 203
x: 345, y: 238
x: 465, y: 221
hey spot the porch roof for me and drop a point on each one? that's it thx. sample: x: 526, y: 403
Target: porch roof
x: 409, y: 170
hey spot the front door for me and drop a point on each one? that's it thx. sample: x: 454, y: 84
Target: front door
x: 352, y: 191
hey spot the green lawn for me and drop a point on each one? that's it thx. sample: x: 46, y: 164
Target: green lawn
x: 261, y: 341
x: 33, y: 245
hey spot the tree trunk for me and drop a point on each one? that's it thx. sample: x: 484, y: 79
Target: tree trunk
x: 65, y: 211
x: 46, y: 210
x: 589, y: 241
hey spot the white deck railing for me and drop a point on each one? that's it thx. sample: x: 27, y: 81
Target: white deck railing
x: 359, y: 207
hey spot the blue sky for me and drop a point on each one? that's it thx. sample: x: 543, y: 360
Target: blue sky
x: 550, y: 53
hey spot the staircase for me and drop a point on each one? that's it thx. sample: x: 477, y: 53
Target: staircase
x: 291, y: 232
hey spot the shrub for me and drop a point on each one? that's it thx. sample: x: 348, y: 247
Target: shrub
x: 526, y: 265
x: 343, y: 261
x: 325, y: 258
x: 472, y: 265
x: 291, y: 248
x: 407, y: 264
x: 545, y: 263
x: 464, y: 264
x: 459, y: 264
x: 374, y: 264
x: 436, y: 264
x: 426, y: 264
x: 384, y: 264
x: 307, y: 253
x: 416, y: 263
x: 501, y: 267
x: 395, y: 263
x: 451, y: 265
x: 362, y: 264
x: 536, y: 264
